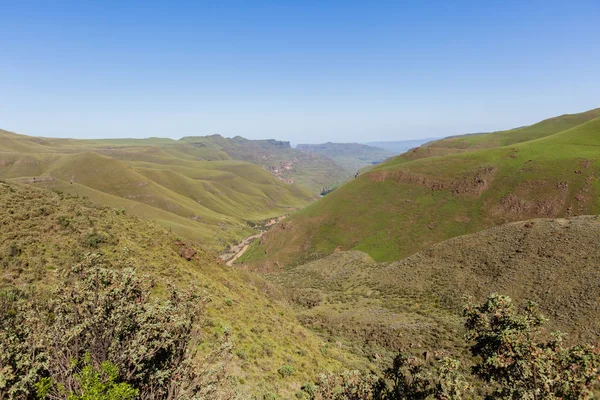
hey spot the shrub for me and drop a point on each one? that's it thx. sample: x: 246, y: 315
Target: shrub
x: 308, y: 298
x: 107, y: 319
x: 63, y: 221
x: 349, y: 385
x: 94, y: 240
x: 286, y: 370
x: 504, y: 340
x: 92, y: 383
x: 23, y: 358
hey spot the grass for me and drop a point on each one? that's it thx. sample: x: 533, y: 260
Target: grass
x: 44, y: 233
x: 205, y: 189
x: 403, y: 206
x: 375, y: 308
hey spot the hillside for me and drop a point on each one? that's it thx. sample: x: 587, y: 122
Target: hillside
x: 401, y: 206
x: 45, y: 232
x: 349, y: 297
x: 457, y: 144
x: 193, y: 189
x: 351, y: 156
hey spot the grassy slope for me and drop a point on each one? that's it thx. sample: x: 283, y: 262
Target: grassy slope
x: 401, y: 207
x: 157, y: 179
x: 457, y: 144
x: 351, y: 156
x: 417, y: 301
x: 44, y: 232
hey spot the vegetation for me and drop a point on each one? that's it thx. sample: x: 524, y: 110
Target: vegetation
x: 97, y: 303
x: 509, y: 362
x: 373, y: 308
x: 511, y: 356
x: 37, y: 253
x: 101, y: 333
x: 407, y: 204
x: 205, y: 189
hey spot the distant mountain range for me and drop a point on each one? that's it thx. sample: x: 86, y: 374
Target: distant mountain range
x: 400, y: 146
x: 350, y: 156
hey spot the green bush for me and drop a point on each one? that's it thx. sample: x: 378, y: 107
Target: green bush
x: 94, y: 240
x: 93, y: 384
x: 286, y: 370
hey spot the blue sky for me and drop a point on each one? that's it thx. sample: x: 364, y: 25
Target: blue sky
x: 306, y: 71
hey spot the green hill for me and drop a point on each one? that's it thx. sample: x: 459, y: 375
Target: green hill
x: 416, y: 302
x: 351, y: 156
x: 403, y: 206
x: 457, y: 144
x: 44, y: 233
x: 195, y: 190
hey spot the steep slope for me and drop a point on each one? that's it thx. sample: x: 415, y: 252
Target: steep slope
x: 401, y: 207
x: 351, y: 156
x: 44, y: 233
x: 154, y: 179
x: 417, y: 300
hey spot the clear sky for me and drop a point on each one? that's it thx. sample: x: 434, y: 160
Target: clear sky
x: 306, y: 70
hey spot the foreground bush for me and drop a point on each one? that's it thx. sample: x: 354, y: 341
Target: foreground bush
x: 511, y: 361
x: 510, y: 355
x: 102, y: 324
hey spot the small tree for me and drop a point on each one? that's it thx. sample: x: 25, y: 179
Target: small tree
x: 504, y: 341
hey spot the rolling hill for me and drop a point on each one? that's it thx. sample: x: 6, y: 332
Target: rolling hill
x: 457, y: 144
x: 44, y: 233
x: 207, y: 189
x: 408, y: 203
x: 416, y: 302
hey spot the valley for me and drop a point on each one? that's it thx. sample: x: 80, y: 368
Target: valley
x: 208, y: 189
x: 304, y: 284
x: 300, y: 200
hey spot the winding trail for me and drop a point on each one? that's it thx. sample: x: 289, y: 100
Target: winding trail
x: 244, y: 246
x: 237, y: 251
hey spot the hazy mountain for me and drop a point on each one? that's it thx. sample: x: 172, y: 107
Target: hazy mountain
x: 351, y: 156
x: 400, y: 146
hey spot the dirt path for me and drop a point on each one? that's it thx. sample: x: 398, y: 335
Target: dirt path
x: 237, y: 251
x: 242, y: 247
